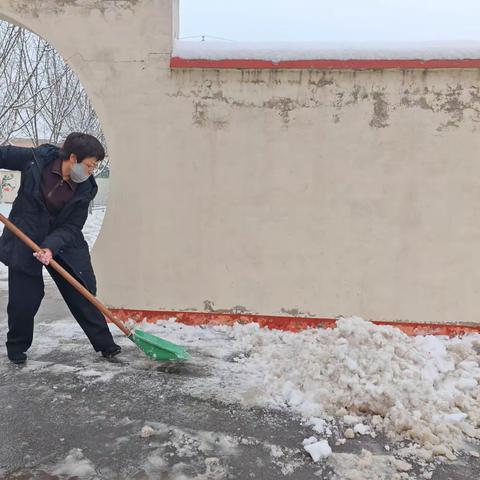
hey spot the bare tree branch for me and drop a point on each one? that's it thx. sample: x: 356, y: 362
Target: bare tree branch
x: 40, y: 96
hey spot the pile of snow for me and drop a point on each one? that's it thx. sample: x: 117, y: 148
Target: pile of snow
x: 284, y: 51
x: 356, y: 379
x: 375, y: 378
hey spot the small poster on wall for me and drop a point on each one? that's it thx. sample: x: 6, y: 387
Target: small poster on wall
x: 9, y: 184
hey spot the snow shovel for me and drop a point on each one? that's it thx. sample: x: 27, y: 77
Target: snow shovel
x: 154, y: 347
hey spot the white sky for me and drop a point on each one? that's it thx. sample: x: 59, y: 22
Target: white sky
x: 333, y: 20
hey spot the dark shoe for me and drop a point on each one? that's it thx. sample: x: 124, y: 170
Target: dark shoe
x: 17, y: 358
x: 112, y: 351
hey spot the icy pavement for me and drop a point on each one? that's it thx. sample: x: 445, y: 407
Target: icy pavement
x: 70, y: 414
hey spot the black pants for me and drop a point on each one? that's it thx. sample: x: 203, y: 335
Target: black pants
x: 25, y: 294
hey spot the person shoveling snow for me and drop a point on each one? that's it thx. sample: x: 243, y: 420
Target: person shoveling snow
x: 52, y: 207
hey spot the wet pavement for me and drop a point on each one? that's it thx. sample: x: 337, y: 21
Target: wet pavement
x: 68, y: 413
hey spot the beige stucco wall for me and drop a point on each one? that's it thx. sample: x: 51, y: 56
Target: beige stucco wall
x: 314, y: 192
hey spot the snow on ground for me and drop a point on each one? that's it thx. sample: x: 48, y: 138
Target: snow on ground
x: 420, y: 393
x: 283, y: 51
x: 423, y: 390
x: 75, y: 465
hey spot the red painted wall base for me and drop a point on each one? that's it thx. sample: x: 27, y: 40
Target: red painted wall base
x: 291, y: 324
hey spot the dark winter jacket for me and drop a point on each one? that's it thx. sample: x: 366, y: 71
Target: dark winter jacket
x: 62, y: 234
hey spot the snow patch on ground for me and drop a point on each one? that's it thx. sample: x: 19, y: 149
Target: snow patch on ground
x: 367, y: 466
x: 75, y: 465
x: 403, y: 387
x: 204, y: 448
x: 190, y: 443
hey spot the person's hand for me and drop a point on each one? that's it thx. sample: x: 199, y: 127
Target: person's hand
x: 44, y: 256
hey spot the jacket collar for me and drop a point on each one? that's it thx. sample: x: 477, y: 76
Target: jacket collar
x: 57, y: 169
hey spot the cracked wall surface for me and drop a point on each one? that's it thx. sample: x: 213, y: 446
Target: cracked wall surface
x: 453, y: 100
x: 301, y: 193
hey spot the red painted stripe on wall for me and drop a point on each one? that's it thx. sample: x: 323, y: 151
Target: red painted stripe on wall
x: 291, y: 324
x: 177, y: 62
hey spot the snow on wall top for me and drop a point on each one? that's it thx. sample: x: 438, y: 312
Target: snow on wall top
x: 285, y: 51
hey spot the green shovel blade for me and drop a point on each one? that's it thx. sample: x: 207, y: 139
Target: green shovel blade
x: 156, y: 348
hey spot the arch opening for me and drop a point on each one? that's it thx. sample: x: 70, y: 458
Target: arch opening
x: 42, y: 100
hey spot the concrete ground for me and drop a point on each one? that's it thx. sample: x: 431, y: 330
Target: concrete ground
x: 70, y: 414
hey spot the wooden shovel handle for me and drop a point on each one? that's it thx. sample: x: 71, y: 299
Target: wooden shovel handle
x: 69, y: 278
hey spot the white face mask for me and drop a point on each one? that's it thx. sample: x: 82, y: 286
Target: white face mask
x: 78, y: 173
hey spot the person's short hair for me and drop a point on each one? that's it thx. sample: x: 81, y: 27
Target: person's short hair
x: 83, y: 146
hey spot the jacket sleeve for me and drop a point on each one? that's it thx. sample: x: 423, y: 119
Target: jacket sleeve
x: 15, y: 158
x: 66, y: 233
